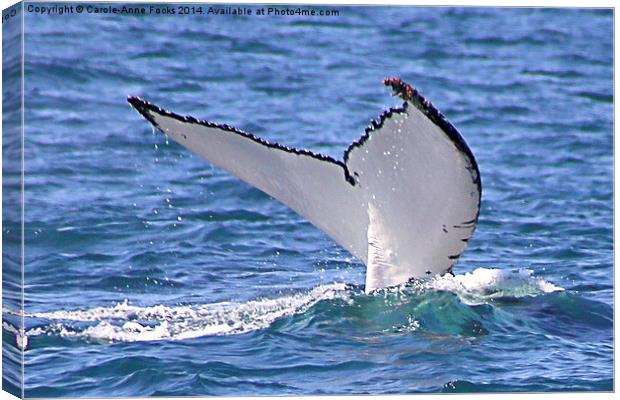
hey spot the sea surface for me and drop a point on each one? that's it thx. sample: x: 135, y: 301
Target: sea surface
x: 150, y: 272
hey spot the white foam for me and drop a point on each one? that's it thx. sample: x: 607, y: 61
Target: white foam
x: 488, y: 283
x: 21, y: 337
x: 127, y: 323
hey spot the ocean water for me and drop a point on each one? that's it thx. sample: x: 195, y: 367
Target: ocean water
x: 150, y: 272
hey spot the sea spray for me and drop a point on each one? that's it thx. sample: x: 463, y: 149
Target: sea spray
x: 488, y: 283
x: 129, y: 323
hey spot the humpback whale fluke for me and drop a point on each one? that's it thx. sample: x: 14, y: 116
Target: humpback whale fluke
x: 404, y: 200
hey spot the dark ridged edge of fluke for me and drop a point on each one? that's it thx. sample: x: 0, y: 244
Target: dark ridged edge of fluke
x: 411, y: 95
x: 400, y: 88
x: 374, y: 125
x: 145, y: 108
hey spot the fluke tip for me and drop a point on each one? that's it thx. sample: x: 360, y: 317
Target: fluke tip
x: 400, y: 88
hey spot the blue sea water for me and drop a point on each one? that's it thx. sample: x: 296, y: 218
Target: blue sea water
x: 150, y: 272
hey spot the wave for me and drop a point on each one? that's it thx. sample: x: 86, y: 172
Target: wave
x: 489, y: 283
x: 129, y: 323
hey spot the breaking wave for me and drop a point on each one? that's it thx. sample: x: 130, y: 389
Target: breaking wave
x: 128, y: 323
x: 483, y: 284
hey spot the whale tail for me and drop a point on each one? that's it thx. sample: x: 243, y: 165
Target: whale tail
x: 404, y: 200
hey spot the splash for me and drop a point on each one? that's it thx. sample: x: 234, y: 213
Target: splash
x: 490, y: 283
x: 128, y: 323
x: 21, y: 337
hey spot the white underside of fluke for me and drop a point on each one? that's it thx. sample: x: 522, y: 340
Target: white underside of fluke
x: 405, y: 201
